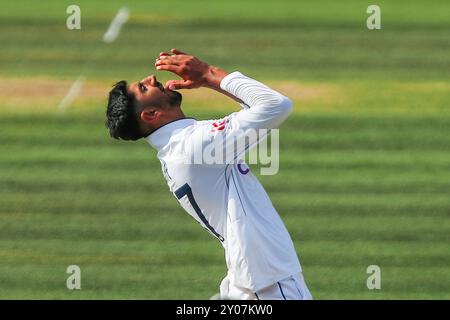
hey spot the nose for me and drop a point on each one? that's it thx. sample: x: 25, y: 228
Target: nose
x: 151, y: 80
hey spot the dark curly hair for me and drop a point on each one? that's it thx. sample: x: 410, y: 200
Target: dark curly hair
x: 121, y: 113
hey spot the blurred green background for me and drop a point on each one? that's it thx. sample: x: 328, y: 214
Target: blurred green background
x: 365, y: 158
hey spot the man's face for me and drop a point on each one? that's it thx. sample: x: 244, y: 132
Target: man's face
x: 150, y: 92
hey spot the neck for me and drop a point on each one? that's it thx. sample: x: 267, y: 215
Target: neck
x: 177, y: 116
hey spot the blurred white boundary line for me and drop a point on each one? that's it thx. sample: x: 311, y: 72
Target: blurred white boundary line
x: 116, y: 25
x: 73, y: 92
x: 110, y: 36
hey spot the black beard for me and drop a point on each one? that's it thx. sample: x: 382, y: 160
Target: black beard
x: 175, y: 98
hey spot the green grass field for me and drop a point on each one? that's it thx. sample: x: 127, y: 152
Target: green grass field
x: 365, y: 158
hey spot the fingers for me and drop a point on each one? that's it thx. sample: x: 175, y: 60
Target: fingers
x: 179, y: 84
x: 171, y: 62
x: 169, y: 67
x: 170, y: 58
x: 176, y: 51
x: 173, y: 53
x: 166, y: 60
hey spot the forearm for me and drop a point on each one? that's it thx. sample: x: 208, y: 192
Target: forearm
x: 252, y: 92
x: 267, y: 108
x: 213, y: 79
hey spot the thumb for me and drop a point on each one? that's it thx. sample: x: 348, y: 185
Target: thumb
x: 179, y: 84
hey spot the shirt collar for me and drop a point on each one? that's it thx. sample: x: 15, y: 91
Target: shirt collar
x: 160, y: 137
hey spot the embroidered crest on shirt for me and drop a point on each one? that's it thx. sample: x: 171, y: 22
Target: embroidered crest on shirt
x: 219, y: 125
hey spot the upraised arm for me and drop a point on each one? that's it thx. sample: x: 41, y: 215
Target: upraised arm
x: 194, y: 72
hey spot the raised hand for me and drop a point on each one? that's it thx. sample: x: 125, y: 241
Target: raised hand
x: 194, y: 72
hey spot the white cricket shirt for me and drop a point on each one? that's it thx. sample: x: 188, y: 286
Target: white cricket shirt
x: 226, y: 198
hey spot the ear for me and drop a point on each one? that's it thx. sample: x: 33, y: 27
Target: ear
x: 149, y: 115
